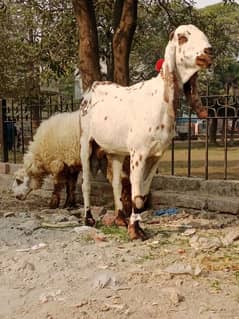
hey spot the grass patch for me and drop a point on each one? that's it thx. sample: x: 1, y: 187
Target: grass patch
x: 114, y: 231
x: 216, y: 285
x: 237, y: 277
x: 145, y: 258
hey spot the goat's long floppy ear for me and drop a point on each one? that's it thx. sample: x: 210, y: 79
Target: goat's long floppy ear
x: 170, y: 52
x: 193, y: 98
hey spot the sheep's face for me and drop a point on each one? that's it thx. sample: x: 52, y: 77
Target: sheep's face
x: 23, y: 184
x: 193, y: 51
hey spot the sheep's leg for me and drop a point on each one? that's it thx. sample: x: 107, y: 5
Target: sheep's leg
x: 117, y: 164
x: 137, y: 168
x: 86, y: 183
x: 56, y: 195
x: 126, y: 188
x: 70, y: 190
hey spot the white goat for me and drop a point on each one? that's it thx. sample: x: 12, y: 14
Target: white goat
x: 140, y: 120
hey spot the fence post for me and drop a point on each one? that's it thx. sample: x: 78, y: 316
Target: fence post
x: 3, y: 136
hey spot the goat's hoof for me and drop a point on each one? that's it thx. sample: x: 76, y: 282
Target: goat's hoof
x: 120, y: 219
x: 136, y: 232
x: 89, y: 222
x: 89, y: 219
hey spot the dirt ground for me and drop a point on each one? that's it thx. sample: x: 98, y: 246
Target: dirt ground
x: 52, y: 268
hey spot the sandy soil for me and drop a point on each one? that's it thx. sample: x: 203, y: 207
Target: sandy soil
x: 188, y: 268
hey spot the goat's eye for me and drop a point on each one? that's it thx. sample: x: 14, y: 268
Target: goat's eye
x: 182, y: 39
x: 18, y: 181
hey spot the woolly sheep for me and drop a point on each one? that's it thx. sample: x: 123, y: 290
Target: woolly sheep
x: 55, y: 150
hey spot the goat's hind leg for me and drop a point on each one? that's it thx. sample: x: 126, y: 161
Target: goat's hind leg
x: 117, y: 165
x: 86, y: 183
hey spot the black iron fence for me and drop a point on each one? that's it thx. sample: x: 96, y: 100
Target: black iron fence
x: 205, y: 148
x: 19, y: 119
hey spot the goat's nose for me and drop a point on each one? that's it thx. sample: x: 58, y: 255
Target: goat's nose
x: 208, y: 51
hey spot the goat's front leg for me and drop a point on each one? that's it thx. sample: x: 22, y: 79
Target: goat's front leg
x: 117, y: 165
x: 151, y: 167
x: 137, y: 167
x: 86, y: 184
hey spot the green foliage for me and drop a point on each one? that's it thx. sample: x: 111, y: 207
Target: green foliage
x: 38, y: 41
x: 38, y: 44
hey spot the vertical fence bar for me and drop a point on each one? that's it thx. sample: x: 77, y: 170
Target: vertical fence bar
x: 225, y: 142
x: 206, y: 148
x: 31, y: 118
x: 207, y: 136
x: 189, y: 141
x: 15, y: 132
x: 22, y: 127
x: 3, y: 133
x: 72, y: 103
x: 61, y: 103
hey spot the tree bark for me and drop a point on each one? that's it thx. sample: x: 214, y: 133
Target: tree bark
x: 88, y: 47
x: 125, y: 21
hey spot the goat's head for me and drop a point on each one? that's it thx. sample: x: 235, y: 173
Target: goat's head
x: 24, y: 183
x: 189, y: 50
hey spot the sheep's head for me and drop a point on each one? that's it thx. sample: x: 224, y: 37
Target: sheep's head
x: 192, y: 51
x: 24, y: 183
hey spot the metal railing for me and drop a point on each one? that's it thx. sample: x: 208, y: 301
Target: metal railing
x: 19, y: 119
x: 206, y: 148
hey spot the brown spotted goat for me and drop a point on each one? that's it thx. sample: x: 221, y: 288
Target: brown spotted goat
x: 139, y: 120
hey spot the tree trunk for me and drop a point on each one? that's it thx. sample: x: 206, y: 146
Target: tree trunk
x: 125, y: 21
x: 88, y: 48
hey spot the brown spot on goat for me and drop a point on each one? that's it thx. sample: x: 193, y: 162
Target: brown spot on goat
x: 136, y: 163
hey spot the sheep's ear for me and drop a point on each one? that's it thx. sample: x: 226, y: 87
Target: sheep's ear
x: 19, y: 181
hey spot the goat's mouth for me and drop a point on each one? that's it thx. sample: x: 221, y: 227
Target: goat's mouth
x: 204, y: 61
